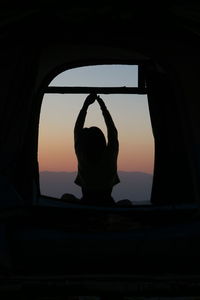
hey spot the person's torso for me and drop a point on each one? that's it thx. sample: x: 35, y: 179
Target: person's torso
x: 99, y: 174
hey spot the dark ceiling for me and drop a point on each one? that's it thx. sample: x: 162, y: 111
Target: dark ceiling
x: 90, y: 20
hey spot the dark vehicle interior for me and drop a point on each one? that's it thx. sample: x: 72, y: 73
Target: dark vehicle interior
x: 52, y: 249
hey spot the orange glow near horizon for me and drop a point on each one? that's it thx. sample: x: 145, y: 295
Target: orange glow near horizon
x: 64, y: 160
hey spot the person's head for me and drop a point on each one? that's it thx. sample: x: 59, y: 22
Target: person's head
x: 92, y: 143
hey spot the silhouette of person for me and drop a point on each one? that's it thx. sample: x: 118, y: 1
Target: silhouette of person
x: 97, y: 160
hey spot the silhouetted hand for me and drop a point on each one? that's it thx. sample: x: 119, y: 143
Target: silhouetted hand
x: 90, y: 99
x: 101, y: 103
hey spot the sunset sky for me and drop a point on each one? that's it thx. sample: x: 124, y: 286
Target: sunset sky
x: 130, y: 114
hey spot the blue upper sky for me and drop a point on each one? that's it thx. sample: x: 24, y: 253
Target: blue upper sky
x: 101, y: 75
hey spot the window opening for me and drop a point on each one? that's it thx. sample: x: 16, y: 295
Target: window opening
x: 57, y: 160
x: 131, y: 80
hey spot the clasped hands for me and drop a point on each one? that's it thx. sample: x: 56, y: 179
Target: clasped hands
x: 91, y: 99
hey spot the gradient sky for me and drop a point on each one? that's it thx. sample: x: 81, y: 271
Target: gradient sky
x: 130, y: 114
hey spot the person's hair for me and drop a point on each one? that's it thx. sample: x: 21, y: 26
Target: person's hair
x: 92, y: 143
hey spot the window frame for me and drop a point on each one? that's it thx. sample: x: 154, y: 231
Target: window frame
x: 140, y: 90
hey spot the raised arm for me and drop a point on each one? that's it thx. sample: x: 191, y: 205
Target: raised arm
x: 111, y: 129
x: 82, y: 114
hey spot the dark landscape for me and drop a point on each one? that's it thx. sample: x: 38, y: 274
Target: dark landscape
x: 135, y: 186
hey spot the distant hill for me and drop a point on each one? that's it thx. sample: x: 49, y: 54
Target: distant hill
x: 135, y: 186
